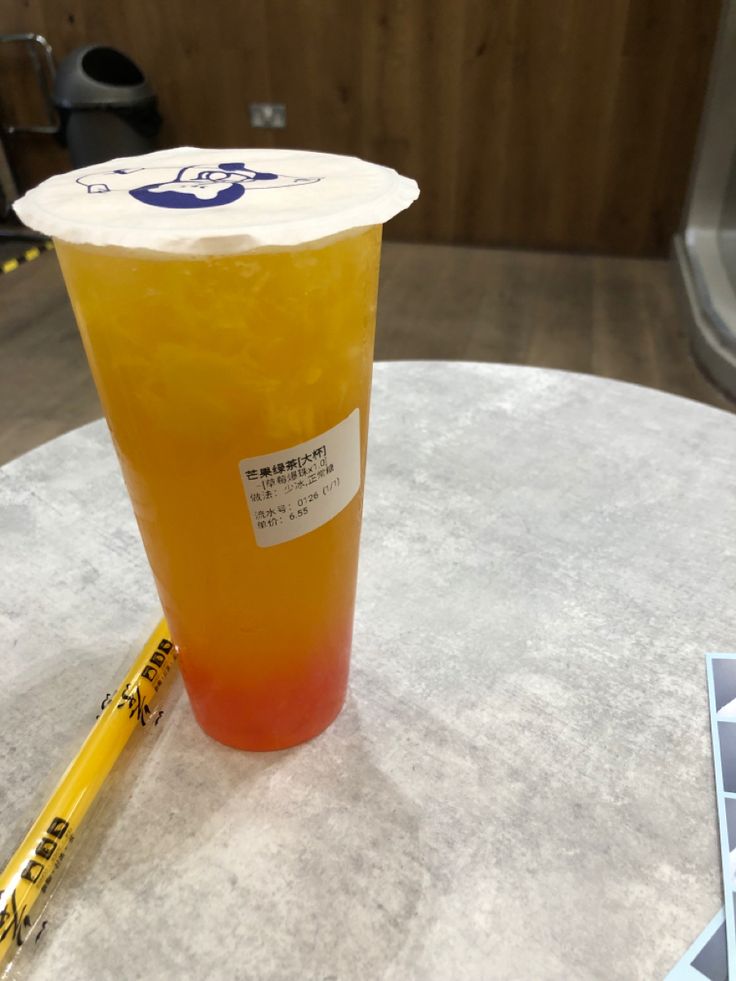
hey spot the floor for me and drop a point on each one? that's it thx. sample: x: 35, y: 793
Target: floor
x: 621, y: 318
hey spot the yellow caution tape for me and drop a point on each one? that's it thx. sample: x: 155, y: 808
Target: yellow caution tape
x: 10, y: 265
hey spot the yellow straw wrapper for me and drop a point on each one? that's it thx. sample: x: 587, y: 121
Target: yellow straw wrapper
x: 29, y: 871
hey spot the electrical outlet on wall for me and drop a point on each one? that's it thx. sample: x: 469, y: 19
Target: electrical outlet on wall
x: 268, y: 115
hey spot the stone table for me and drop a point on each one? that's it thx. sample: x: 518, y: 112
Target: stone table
x: 520, y: 784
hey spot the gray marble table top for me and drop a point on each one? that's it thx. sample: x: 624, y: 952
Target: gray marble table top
x: 520, y: 785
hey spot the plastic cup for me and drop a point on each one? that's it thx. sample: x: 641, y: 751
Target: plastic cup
x: 203, y: 365
x: 227, y: 302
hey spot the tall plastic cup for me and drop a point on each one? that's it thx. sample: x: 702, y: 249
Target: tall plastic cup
x: 236, y: 385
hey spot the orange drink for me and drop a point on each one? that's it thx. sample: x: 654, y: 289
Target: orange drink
x: 201, y: 363
x: 227, y: 303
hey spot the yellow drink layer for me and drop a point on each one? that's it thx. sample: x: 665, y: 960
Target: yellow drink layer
x: 201, y: 363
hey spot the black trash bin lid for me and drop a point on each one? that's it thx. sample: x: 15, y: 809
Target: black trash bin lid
x: 97, y: 76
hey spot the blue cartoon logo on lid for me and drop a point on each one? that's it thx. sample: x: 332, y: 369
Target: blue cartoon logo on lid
x: 198, y: 186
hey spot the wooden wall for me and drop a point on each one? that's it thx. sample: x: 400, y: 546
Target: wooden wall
x: 561, y: 124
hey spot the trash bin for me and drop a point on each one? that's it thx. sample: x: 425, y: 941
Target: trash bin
x: 106, y: 106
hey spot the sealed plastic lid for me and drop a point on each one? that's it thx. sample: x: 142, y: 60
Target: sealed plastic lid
x: 204, y: 202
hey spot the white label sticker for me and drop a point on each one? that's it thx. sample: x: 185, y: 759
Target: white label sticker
x: 294, y: 491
